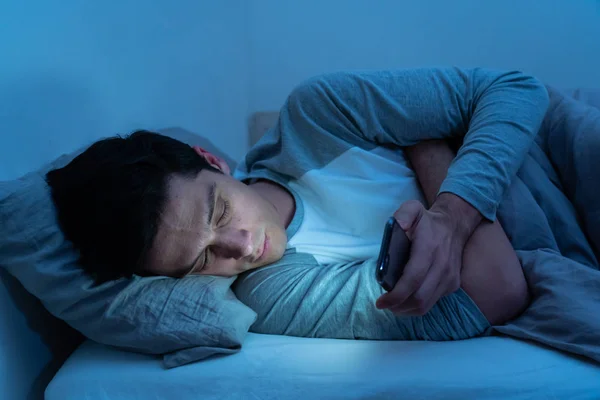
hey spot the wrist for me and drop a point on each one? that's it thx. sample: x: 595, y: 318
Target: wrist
x: 463, y: 216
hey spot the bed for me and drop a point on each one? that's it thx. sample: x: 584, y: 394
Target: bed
x: 280, y: 367
x: 283, y: 367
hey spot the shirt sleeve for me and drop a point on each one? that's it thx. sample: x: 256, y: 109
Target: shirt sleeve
x: 497, y: 114
x: 299, y: 297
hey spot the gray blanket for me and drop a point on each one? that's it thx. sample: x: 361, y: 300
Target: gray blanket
x: 552, y: 217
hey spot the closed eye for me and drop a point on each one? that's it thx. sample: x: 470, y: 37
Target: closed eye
x: 205, y: 263
x: 222, y: 221
x: 225, y: 214
x: 201, y: 265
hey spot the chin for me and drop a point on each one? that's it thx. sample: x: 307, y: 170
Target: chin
x: 279, y: 243
x: 277, y: 254
x: 277, y: 248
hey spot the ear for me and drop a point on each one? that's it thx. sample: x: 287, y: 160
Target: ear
x: 213, y: 160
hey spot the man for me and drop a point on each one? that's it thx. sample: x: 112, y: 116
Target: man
x: 316, y: 191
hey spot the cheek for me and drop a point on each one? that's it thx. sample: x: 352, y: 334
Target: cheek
x: 250, y: 212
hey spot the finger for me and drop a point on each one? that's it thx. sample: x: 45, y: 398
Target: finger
x: 411, y: 280
x: 449, y: 284
x: 402, y: 312
x: 405, y: 313
x: 409, y: 214
x: 416, y: 311
x: 428, y: 294
x: 453, y: 280
x: 438, y: 294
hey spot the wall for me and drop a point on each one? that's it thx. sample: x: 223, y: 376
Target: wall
x: 557, y: 40
x: 74, y: 71
x: 80, y: 70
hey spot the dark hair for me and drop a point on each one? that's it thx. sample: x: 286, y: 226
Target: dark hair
x: 109, y: 198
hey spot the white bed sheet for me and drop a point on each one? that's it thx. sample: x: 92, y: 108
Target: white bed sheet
x: 286, y: 368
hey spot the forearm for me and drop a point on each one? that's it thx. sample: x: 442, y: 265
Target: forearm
x: 431, y: 161
x: 491, y: 273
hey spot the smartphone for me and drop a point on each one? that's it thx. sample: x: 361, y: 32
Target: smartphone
x: 393, y: 255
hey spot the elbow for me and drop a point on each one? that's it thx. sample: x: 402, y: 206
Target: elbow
x: 539, y: 92
x: 534, y: 91
x: 530, y: 93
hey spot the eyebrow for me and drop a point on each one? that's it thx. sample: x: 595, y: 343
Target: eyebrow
x: 207, y: 217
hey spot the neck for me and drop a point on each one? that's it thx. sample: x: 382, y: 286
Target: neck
x: 281, y: 199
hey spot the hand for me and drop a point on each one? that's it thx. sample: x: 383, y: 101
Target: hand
x: 438, y: 239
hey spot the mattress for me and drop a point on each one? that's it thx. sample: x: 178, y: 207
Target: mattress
x: 280, y: 367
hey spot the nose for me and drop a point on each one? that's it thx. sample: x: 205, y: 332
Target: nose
x: 233, y: 243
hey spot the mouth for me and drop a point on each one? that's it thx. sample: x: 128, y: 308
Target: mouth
x: 263, y: 249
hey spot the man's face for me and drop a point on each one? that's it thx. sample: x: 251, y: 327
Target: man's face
x: 215, y: 225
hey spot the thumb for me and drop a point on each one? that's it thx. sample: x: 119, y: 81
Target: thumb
x: 409, y: 214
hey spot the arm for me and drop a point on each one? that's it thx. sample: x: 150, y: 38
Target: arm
x: 298, y: 297
x: 491, y: 272
x: 497, y: 114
